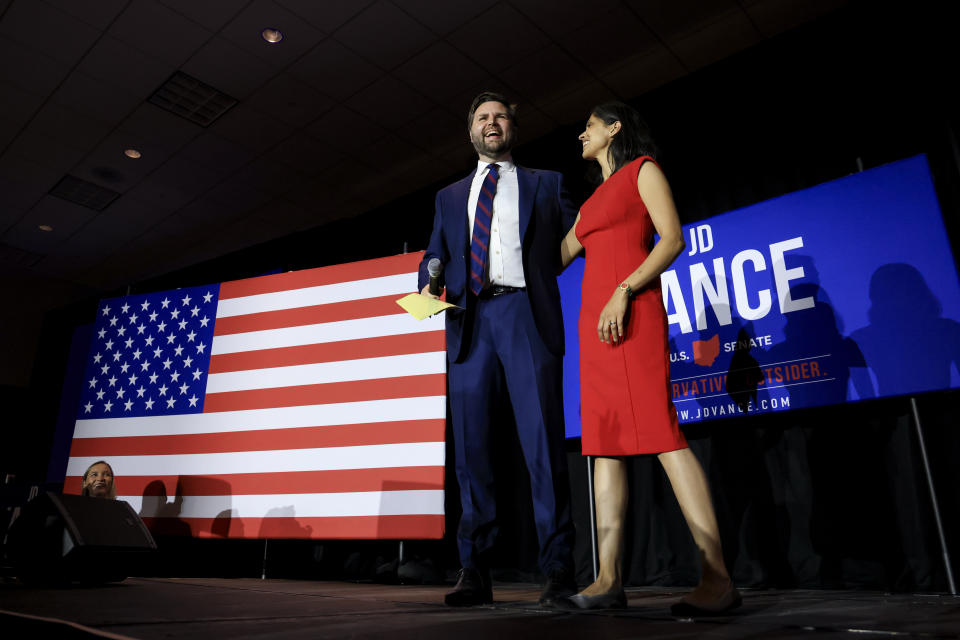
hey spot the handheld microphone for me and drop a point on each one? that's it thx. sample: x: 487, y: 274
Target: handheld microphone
x: 434, y: 268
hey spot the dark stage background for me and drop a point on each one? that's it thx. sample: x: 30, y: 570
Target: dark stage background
x: 831, y: 497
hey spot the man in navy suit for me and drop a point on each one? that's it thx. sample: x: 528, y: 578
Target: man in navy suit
x: 497, y: 232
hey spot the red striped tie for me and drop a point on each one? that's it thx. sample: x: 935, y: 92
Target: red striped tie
x: 481, y: 228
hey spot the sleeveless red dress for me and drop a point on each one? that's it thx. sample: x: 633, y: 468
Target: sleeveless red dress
x: 625, y: 402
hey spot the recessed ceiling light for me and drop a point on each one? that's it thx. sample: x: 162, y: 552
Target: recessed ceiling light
x: 132, y: 153
x: 45, y: 227
x: 272, y: 36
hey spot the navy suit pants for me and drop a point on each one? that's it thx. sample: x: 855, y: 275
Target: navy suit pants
x: 505, y: 347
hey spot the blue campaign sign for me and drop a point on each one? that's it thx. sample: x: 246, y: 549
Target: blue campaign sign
x: 842, y: 292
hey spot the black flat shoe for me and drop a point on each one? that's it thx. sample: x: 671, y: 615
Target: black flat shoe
x: 609, y: 600
x: 560, y: 585
x: 472, y: 588
x: 684, y: 609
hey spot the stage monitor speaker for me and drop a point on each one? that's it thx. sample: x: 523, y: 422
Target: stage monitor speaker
x: 69, y: 538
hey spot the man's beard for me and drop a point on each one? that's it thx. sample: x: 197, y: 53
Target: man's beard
x: 495, y: 147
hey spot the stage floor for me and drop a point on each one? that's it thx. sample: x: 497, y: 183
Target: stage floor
x: 249, y: 608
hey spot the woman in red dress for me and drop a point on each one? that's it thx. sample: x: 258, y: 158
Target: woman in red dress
x: 626, y: 408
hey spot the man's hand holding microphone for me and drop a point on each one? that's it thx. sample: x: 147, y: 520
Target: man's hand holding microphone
x: 433, y: 289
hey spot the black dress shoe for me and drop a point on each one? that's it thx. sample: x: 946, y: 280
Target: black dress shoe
x: 728, y: 603
x: 610, y: 600
x: 560, y: 584
x: 472, y: 588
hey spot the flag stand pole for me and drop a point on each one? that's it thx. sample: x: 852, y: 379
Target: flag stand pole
x: 933, y: 496
x: 263, y: 571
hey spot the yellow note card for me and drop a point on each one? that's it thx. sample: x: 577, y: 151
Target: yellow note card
x: 420, y: 306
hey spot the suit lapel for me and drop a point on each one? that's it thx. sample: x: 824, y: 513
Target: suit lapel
x: 457, y: 220
x: 527, y: 182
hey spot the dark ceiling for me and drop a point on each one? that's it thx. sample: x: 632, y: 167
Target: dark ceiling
x: 360, y: 103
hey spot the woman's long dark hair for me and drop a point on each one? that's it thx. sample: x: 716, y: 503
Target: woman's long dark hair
x: 632, y: 141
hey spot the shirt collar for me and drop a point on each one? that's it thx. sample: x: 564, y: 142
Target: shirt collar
x: 505, y: 165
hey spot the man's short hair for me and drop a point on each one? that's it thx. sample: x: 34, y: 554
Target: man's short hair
x: 492, y: 96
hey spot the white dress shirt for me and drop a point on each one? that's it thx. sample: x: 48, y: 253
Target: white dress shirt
x: 504, y: 260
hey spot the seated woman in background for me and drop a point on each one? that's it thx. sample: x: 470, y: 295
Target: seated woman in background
x: 98, y: 481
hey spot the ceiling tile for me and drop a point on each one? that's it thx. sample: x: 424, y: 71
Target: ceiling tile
x: 45, y: 28
x: 444, y: 17
x: 175, y: 184
x: 237, y: 198
x: 107, y: 165
x: 575, y: 106
x: 65, y: 218
x: 159, y: 32
x: 9, y: 216
x: 547, y: 74
x: 316, y: 194
x: 205, y: 213
x: 231, y: 69
x: 283, y: 214
x: 69, y: 127
x: 670, y: 19
x: 271, y: 176
x: 24, y: 182
x: 731, y: 32
x: 394, y: 179
x: 386, y: 35
x: 290, y: 101
x: 342, y: 129
x: 71, y: 263
x: 8, y: 131
x: 602, y: 45
x: 435, y: 131
x: 18, y: 106
x: 498, y: 38
x: 29, y: 69
x: 97, y: 14
x: 305, y: 154
x: 115, y: 62
x: 327, y: 15
x: 151, y: 124
x: 644, y: 72
x: 389, y: 102
x: 124, y: 220
x: 253, y: 231
x: 250, y: 128
x: 775, y: 16
x: 46, y: 151
x: 298, y: 36
x: 211, y: 150
x: 212, y: 14
x: 390, y: 152
x: 102, y: 100
x: 441, y: 71
x: 558, y: 19
x: 335, y: 70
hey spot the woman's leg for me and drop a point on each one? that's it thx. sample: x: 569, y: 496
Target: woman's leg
x: 690, y: 486
x: 610, y: 490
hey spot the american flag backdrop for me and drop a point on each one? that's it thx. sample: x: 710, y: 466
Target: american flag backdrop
x: 305, y: 404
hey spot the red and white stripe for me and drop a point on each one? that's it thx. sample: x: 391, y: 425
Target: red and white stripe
x: 324, y: 416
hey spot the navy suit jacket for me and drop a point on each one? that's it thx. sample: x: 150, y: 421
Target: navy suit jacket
x: 546, y: 214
